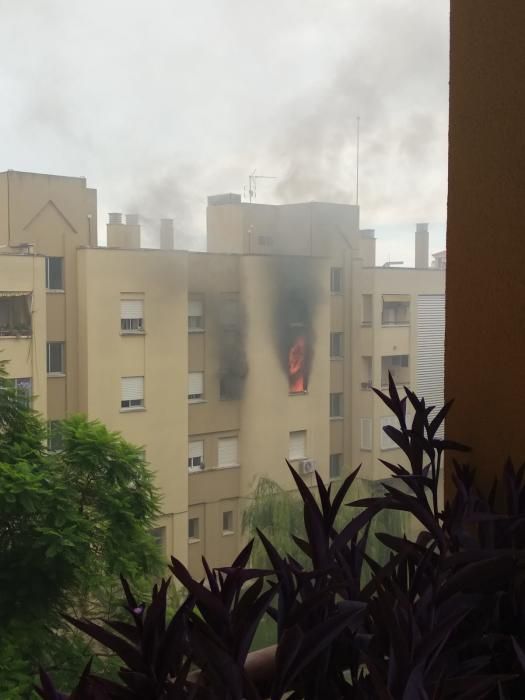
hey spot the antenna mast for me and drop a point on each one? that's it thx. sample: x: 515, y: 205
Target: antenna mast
x: 357, y: 163
x: 252, y: 184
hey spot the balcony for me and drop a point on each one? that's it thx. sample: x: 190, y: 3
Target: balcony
x: 15, y: 315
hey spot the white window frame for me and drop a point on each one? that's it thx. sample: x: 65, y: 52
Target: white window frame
x: 340, y: 401
x: 386, y: 442
x: 294, y: 455
x: 195, y: 397
x: 49, y: 273
x: 234, y: 462
x: 195, y: 537
x: 131, y: 319
x: 366, y: 432
x: 195, y: 320
x: 339, y: 465
x: 132, y: 404
x: 61, y: 371
x: 195, y: 456
x: 336, y: 273
x: 227, y: 530
x: 336, y: 339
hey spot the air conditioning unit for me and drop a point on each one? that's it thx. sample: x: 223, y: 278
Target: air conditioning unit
x: 307, y: 466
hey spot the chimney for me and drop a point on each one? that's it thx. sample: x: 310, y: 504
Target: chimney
x: 122, y: 235
x: 422, y: 245
x: 367, y: 247
x: 167, y: 238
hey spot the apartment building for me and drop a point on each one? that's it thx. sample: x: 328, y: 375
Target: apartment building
x: 220, y: 364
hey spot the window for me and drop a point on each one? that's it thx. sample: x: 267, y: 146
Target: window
x: 195, y: 315
x: 159, y: 535
x: 336, y: 345
x: 24, y: 389
x: 55, y: 440
x: 336, y: 461
x: 297, y: 445
x: 366, y: 317
x: 193, y: 529
x: 55, y: 358
x: 55, y: 273
x: 228, y: 452
x: 196, y: 455
x: 399, y: 360
x: 366, y: 433
x: 15, y: 314
x: 227, y: 522
x: 132, y: 315
x: 336, y: 405
x: 336, y: 280
x: 386, y: 442
x: 132, y: 393
x: 196, y: 386
x: 396, y: 309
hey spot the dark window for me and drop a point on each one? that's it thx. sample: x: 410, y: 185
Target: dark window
x: 227, y: 521
x: 336, y: 345
x: 55, y: 440
x: 54, y: 273
x: 15, y: 314
x: 159, y: 535
x: 55, y: 358
x: 24, y: 389
x: 336, y: 280
x: 336, y: 405
x: 193, y: 528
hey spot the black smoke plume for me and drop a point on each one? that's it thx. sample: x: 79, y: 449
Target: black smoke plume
x: 296, y: 294
x: 231, y: 339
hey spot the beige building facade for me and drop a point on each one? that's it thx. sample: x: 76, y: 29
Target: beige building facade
x: 220, y: 364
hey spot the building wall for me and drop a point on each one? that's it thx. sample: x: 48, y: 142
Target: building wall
x: 26, y: 357
x: 159, y: 355
x: 485, y: 314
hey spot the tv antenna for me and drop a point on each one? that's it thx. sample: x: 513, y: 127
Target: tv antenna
x: 358, y: 119
x: 252, y: 184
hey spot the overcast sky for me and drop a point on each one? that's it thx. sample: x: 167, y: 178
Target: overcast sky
x: 161, y: 103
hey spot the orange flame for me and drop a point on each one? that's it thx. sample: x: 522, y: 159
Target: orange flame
x: 296, y: 359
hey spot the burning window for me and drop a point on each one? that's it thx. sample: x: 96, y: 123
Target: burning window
x: 296, y: 363
x: 15, y: 313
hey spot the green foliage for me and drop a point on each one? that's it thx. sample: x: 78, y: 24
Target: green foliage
x: 279, y: 514
x: 70, y: 522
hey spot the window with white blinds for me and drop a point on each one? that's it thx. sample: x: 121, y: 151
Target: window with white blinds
x: 228, y: 452
x: 366, y: 433
x: 132, y: 392
x: 195, y: 315
x: 195, y: 455
x: 132, y: 315
x: 386, y: 442
x: 297, y: 447
x: 195, y: 386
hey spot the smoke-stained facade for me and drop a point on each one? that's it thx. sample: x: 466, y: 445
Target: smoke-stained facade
x: 296, y: 294
x: 231, y: 335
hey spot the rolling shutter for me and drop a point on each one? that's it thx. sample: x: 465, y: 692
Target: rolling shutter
x: 228, y: 452
x: 431, y: 349
x: 195, y: 308
x: 297, y: 444
x: 196, y: 449
x: 195, y: 383
x: 131, y: 308
x: 132, y: 388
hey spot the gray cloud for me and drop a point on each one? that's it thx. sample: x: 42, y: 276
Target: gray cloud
x: 160, y: 104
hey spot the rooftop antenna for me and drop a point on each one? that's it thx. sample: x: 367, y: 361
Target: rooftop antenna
x: 358, y: 119
x: 252, y: 183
